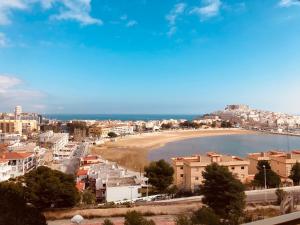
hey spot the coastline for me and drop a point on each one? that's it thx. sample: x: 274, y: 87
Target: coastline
x: 132, y: 151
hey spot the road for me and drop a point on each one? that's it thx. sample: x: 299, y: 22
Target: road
x: 256, y: 196
x: 71, y: 165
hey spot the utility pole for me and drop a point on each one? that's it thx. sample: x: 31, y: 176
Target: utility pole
x: 265, y: 176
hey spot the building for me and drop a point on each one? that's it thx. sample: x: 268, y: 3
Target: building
x: 95, y: 131
x: 9, y: 139
x: 254, y: 158
x: 5, y: 169
x: 280, y: 162
x: 20, y: 162
x: 18, y: 112
x: 54, y: 141
x: 110, y: 182
x: 65, y: 153
x: 123, y: 188
x: 13, y: 126
x: 188, y: 170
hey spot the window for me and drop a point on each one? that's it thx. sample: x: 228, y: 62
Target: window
x: 181, y: 175
x: 196, y: 178
x: 232, y: 168
x: 181, y: 167
x: 242, y: 167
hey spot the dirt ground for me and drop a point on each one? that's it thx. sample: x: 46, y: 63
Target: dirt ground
x: 166, y: 209
x: 132, y: 151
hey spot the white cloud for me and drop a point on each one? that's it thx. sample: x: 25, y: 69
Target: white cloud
x: 6, y: 7
x: 173, y: 15
x: 76, y: 10
x: 7, y: 82
x: 209, y: 8
x: 131, y: 23
x: 288, y: 3
x: 3, y: 40
x: 177, y: 10
x: 13, y: 93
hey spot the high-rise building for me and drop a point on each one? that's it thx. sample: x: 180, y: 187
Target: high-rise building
x: 18, y: 112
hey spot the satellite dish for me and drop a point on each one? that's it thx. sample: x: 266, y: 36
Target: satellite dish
x: 77, y: 219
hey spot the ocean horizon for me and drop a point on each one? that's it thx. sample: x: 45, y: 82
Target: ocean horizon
x: 122, y: 117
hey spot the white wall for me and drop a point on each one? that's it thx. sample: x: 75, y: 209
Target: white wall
x: 122, y: 192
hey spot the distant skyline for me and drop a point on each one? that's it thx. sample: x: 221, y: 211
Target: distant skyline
x: 149, y: 57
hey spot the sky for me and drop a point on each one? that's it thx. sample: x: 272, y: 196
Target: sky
x: 149, y: 56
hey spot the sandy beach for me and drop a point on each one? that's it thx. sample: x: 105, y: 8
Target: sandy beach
x: 132, y: 151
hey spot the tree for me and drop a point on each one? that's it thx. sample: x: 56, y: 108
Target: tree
x: 107, y: 222
x: 205, y: 216
x: 280, y: 194
x: 223, y: 193
x: 88, y: 197
x: 226, y: 124
x: 14, y: 209
x: 295, y: 173
x: 47, y: 188
x: 166, y: 126
x: 112, y: 135
x: 272, y: 178
x: 160, y: 174
x: 136, y: 218
x: 183, y: 220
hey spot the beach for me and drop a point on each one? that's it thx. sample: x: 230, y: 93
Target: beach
x: 132, y: 151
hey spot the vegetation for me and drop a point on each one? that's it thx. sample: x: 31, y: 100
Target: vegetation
x: 136, y: 218
x: 14, y: 209
x: 88, y: 197
x: 166, y: 126
x: 160, y: 174
x: 272, y: 178
x: 226, y: 124
x: 107, y: 222
x: 47, y: 188
x: 223, y: 193
x: 280, y: 194
x: 295, y: 173
x: 112, y: 135
x: 189, y: 124
x: 204, y: 216
x: 183, y: 220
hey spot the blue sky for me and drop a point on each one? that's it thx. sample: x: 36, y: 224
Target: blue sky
x: 149, y: 56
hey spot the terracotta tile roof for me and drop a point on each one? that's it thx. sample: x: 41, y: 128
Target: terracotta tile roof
x: 80, y: 186
x: 17, y: 155
x: 90, y: 157
x: 82, y: 172
x: 3, y: 160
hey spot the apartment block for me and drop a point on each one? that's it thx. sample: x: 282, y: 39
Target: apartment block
x: 5, y: 169
x: 281, y: 162
x: 188, y: 170
x: 20, y: 162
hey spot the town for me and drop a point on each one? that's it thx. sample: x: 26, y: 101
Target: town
x: 29, y: 141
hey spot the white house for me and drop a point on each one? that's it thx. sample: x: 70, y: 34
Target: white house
x: 5, y: 170
x: 20, y: 162
x: 119, y: 189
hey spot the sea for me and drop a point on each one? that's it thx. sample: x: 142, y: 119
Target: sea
x: 122, y: 117
x: 238, y: 145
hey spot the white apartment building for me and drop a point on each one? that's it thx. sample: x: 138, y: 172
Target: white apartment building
x: 5, y: 170
x: 20, y: 162
x: 10, y: 139
x: 54, y: 141
x: 123, y: 130
x: 65, y: 153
